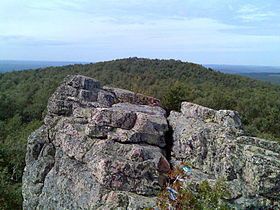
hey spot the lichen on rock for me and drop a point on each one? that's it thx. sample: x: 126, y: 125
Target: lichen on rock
x: 96, y: 145
x: 107, y: 148
x: 214, y: 143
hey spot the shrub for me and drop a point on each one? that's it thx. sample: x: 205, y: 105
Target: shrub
x: 192, y: 195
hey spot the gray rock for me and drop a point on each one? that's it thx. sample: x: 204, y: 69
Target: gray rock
x: 215, y: 145
x: 227, y: 118
x: 191, y: 110
x: 150, y: 126
x: 121, y: 200
x: 131, y: 168
x: 106, y: 98
x: 40, y: 159
x: 114, y: 118
x: 72, y: 162
x: 151, y: 110
x: 104, y: 148
x: 82, y: 82
x: 133, y: 98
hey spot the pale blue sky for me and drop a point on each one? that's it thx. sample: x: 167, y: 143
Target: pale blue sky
x: 201, y: 31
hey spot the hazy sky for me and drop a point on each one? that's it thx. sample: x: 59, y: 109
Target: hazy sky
x: 201, y: 31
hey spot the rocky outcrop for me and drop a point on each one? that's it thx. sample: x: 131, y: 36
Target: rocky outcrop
x: 106, y: 148
x: 214, y: 143
x: 99, y: 148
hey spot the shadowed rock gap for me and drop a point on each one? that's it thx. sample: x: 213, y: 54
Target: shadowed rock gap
x: 169, y: 143
x: 124, y: 167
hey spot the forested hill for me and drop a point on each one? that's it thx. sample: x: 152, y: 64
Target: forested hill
x: 24, y: 95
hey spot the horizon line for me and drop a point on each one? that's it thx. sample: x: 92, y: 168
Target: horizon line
x: 88, y: 62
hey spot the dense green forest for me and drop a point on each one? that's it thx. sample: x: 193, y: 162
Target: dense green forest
x: 24, y: 95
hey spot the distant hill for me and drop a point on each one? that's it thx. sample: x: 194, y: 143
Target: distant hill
x: 14, y: 65
x: 241, y: 69
x: 269, y: 77
x: 24, y: 95
x: 265, y: 73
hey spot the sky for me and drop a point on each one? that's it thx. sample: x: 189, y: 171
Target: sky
x: 201, y: 31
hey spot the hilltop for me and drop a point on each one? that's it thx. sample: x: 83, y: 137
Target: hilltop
x: 264, y: 73
x: 24, y: 96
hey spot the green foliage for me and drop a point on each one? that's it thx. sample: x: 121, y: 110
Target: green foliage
x: 174, y: 97
x: 190, y: 195
x: 24, y: 95
x: 10, y: 193
x: 12, y: 152
x: 177, y: 93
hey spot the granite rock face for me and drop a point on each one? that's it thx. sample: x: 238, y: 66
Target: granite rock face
x: 99, y: 148
x: 106, y: 148
x: 214, y: 143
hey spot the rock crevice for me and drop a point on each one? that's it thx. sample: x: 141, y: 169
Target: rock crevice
x: 108, y: 148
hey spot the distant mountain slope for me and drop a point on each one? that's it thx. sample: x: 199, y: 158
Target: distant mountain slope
x: 240, y: 69
x: 265, y: 73
x: 269, y: 77
x: 14, y: 65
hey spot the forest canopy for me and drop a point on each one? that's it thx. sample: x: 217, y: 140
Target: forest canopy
x: 24, y: 96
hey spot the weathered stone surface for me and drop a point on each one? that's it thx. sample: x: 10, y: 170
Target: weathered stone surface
x: 150, y: 126
x: 114, y: 118
x: 227, y: 118
x: 191, y: 110
x: 217, y: 148
x: 40, y: 159
x: 131, y: 97
x: 82, y: 82
x: 104, y: 148
x: 94, y: 152
x: 122, y: 200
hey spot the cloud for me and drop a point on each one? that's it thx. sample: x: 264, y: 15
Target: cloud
x: 107, y: 29
x: 249, y: 8
x: 251, y: 13
x: 73, y: 5
x: 30, y: 41
x: 257, y: 17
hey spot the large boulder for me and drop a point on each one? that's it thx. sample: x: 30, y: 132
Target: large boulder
x: 214, y: 143
x: 99, y: 148
x: 107, y: 148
